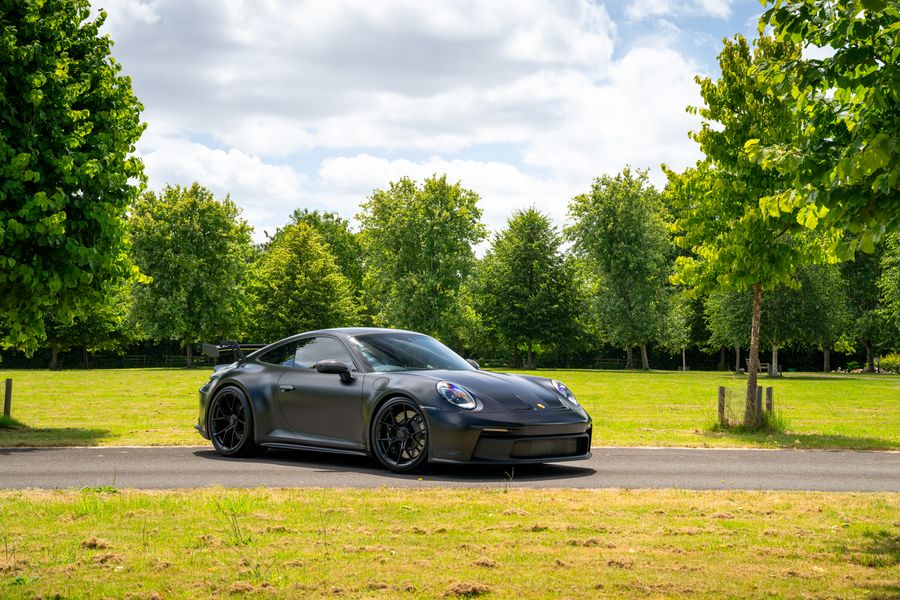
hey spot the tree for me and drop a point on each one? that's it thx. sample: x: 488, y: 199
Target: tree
x: 196, y: 250
x: 825, y: 312
x: 528, y: 288
x: 676, y: 330
x: 296, y: 286
x: 889, y: 281
x: 843, y: 164
x: 619, y: 229
x: 344, y: 244
x: 868, y: 324
x: 417, y: 243
x: 68, y: 125
x: 736, y: 245
x: 103, y: 327
x: 728, y: 314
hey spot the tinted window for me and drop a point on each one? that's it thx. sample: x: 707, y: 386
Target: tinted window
x: 407, y: 352
x: 312, y: 350
x: 282, y: 355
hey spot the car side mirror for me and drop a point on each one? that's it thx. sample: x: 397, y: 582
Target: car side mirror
x: 336, y: 367
x: 473, y: 363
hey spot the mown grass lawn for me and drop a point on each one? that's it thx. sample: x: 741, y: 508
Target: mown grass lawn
x: 431, y: 543
x: 661, y: 408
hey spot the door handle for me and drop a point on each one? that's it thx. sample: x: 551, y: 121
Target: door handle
x: 287, y: 388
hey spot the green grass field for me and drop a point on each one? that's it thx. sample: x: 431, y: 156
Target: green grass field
x: 432, y: 543
x: 662, y: 408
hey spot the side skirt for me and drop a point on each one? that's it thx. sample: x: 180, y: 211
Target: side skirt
x: 283, y: 446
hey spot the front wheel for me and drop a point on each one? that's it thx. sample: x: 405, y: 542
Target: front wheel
x: 400, y: 436
x: 231, y: 423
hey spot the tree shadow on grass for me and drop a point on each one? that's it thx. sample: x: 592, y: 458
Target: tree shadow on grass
x: 800, y: 441
x: 22, y: 435
x: 880, y: 550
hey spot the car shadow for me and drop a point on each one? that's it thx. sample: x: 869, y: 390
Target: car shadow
x: 449, y: 473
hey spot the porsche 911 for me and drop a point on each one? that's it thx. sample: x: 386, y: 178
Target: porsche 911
x: 399, y: 396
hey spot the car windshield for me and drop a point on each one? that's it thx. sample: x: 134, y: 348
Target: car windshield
x: 407, y: 352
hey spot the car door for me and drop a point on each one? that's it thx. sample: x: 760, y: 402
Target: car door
x: 322, y: 409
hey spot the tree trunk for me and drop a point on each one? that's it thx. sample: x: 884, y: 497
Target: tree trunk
x: 870, y: 357
x: 515, y: 357
x: 629, y: 357
x: 750, y: 416
x: 645, y: 364
x: 54, y: 356
x: 737, y: 359
x: 683, y: 360
x: 530, y: 363
x: 826, y: 360
x: 722, y: 359
x: 190, y: 355
x: 85, y: 355
x: 773, y: 366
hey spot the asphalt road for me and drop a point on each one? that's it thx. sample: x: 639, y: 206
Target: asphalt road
x: 700, y: 469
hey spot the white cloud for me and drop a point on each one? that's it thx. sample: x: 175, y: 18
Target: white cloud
x: 266, y: 192
x: 644, y: 9
x: 502, y: 188
x: 314, y: 104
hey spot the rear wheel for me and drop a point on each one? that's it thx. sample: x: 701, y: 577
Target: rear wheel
x: 231, y: 423
x: 400, y: 435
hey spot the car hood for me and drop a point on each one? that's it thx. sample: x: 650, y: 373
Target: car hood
x: 501, y: 391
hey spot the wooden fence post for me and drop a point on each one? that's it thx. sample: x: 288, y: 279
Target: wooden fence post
x: 759, y: 392
x: 770, y: 399
x: 7, y: 399
x: 722, y: 406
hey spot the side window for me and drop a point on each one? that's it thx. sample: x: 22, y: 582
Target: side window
x: 282, y: 355
x: 312, y: 350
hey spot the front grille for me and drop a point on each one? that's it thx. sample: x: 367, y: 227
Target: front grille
x: 545, y: 448
x: 505, y: 447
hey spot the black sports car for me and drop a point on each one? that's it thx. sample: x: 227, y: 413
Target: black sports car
x: 400, y: 396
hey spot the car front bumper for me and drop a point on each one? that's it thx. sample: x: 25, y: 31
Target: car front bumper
x: 509, y: 438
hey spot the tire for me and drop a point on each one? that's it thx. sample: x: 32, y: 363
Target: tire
x: 231, y: 423
x: 400, y: 436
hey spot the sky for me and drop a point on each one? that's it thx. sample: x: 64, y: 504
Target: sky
x: 293, y: 104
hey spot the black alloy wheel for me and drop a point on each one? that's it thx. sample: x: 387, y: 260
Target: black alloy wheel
x: 231, y: 423
x: 400, y: 436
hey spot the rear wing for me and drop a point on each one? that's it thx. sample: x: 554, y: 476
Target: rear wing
x: 214, y: 350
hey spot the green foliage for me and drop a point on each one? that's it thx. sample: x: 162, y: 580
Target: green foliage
x: 824, y: 316
x: 676, y: 331
x: 296, y: 286
x: 738, y: 241
x: 843, y: 164
x: 417, y: 243
x: 812, y: 313
x: 342, y: 242
x: 68, y: 125
x: 619, y: 230
x: 890, y: 362
x: 728, y: 318
x: 526, y: 287
x: 105, y: 326
x: 196, y: 251
x: 889, y: 281
x: 870, y: 320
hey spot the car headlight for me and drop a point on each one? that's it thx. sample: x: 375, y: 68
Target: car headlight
x: 564, y: 391
x: 455, y: 395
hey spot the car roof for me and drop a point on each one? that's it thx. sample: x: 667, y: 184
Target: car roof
x: 351, y: 331
x: 341, y: 332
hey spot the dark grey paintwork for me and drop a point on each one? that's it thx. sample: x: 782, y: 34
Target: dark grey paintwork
x: 325, y: 413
